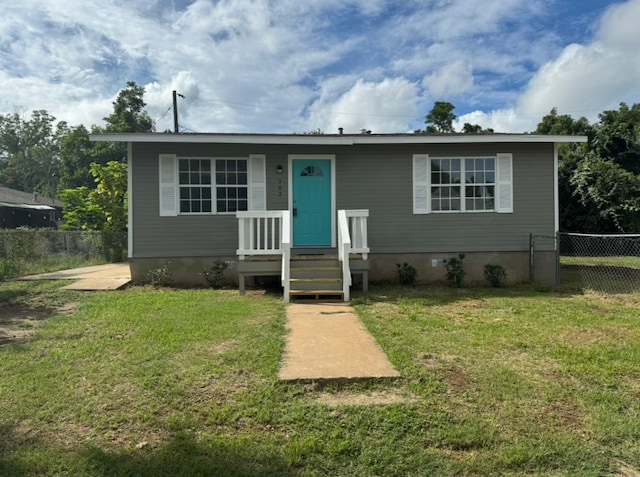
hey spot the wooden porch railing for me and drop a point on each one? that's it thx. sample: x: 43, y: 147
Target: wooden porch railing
x: 260, y: 233
x: 269, y: 233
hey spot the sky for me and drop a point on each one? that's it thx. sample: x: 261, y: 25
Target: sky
x: 293, y: 66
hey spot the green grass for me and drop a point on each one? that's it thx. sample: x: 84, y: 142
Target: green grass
x: 164, y: 382
x: 628, y: 262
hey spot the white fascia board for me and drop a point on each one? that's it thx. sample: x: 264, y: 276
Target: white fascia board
x: 332, y: 140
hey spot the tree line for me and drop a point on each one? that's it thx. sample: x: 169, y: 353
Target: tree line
x: 599, y: 181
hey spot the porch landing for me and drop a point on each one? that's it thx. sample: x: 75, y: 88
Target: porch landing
x: 328, y: 341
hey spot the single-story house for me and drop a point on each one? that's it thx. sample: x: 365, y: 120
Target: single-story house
x: 25, y: 209
x: 320, y: 210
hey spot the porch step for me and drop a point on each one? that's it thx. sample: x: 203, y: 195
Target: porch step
x: 316, y: 277
x: 317, y: 294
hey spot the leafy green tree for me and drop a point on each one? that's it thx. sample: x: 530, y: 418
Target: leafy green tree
x: 617, y: 137
x: 103, y: 209
x: 440, y: 119
x: 610, y: 195
x: 599, y: 186
x: 76, y: 157
x: 29, y: 151
x: 129, y: 114
x: 469, y: 128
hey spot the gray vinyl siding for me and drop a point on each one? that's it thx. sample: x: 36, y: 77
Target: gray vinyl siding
x: 378, y: 178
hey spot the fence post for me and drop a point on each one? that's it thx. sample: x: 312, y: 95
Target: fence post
x: 531, y: 262
x: 558, y: 277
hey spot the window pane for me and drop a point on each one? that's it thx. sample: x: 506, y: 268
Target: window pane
x: 221, y: 193
x: 206, y: 206
x: 184, y: 206
x: 195, y: 193
x: 243, y: 205
x: 242, y: 192
x: 232, y: 178
x: 455, y: 204
x: 220, y: 165
x: 490, y: 178
x: 195, y: 206
x: 435, y: 178
x: 242, y: 178
x: 195, y: 178
x: 206, y: 193
x: 242, y: 165
x: 184, y: 193
x: 194, y: 165
x: 205, y: 165
x: 221, y: 206
x: 232, y: 193
x: 231, y: 165
x: 205, y: 178
x: 184, y: 178
x: 183, y: 165
x: 221, y: 178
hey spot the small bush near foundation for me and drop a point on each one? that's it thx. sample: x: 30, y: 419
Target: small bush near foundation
x: 406, y: 274
x: 214, y: 275
x: 496, y: 275
x: 160, y: 277
x: 454, y: 270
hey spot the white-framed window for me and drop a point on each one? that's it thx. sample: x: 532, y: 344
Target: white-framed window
x: 211, y: 185
x: 462, y: 184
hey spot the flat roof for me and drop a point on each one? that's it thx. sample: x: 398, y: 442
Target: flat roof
x: 333, y: 139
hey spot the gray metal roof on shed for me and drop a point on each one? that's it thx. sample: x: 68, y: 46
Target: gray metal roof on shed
x: 333, y: 139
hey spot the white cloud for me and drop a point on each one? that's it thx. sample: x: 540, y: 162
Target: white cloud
x: 450, y: 80
x: 584, y: 79
x: 387, y: 106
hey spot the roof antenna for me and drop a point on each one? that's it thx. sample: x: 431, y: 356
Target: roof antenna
x: 340, y: 131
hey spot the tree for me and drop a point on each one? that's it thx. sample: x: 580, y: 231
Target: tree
x: 610, y: 194
x: 129, y: 114
x: 617, y: 137
x: 469, y: 128
x: 76, y: 156
x: 103, y: 209
x: 440, y: 118
x: 29, y: 151
x: 599, y: 186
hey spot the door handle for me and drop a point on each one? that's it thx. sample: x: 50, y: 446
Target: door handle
x: 295, y: 211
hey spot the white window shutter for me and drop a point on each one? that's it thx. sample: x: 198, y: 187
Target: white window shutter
x: 421, y: 184
x: 257, y: 182
x: 168, y: 185
x: 504, y: 183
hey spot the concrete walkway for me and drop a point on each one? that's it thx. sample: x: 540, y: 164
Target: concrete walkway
x: 328, y: 341
x: 111, y: 276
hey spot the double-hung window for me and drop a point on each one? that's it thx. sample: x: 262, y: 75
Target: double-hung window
x: 196, y: 185
x: 462, y: 184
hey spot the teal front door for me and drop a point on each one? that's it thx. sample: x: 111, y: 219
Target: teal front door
x: 311, y: 184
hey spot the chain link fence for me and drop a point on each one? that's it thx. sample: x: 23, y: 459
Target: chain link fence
x: 23, y: 250
x: 602, y: 263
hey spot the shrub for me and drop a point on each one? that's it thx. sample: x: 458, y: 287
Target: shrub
x: 454, y: 270
x: 406, y: 274
x: 214, y: 275
x: 496, y: 275
x: 160, y: 277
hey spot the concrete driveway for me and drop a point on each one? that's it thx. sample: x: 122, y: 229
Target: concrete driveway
x: 111, y: 276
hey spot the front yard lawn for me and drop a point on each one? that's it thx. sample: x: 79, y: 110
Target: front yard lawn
x: 148, y: 382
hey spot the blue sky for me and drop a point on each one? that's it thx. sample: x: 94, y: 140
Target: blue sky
x: 287, y: 66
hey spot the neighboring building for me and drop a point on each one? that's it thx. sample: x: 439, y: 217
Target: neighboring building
x: 24, y: 209
x: 254, y: 199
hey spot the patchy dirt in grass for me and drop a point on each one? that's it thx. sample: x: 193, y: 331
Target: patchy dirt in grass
x: 625, y: 470
x: 18, y: 321
x: 585, y: 337
x: 374, y: 398
x: 448, y: 368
